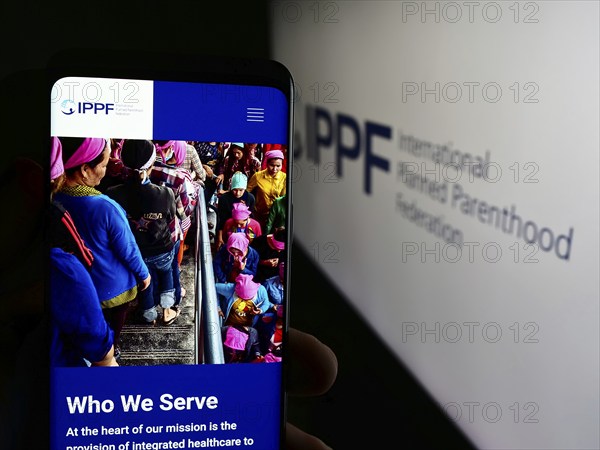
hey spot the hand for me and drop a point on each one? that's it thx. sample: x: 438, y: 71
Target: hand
x: 108, y: 360
x: 113, y: 363
x: 219, y: 179
x: 313, y: 369
x: 208, y: 170
x: 144, y: 284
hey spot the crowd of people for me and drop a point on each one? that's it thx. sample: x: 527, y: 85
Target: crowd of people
x: 119, y: 219
x: 250, y: 247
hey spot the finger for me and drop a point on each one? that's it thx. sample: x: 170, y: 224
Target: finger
x: 312, y: 365
x: 296, y: 439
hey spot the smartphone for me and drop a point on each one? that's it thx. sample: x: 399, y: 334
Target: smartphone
x: 197, y: 149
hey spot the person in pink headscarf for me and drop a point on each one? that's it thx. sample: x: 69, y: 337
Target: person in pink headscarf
x: 183, y: 155
x: 118, y: 271
x: 241, y: 222
x: 245, y: 300
x: 234, y: 258
x: 79, y: 334
x: 267, y: 185
x: 271, y: 249
x: 268, y: 147
x: 170, y: 152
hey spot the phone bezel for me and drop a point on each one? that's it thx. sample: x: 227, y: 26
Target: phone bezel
x: 194, y: 68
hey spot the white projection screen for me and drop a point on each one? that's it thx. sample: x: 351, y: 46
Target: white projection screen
x: 447, y: 182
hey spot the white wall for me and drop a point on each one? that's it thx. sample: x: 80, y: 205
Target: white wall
x: 528, y: 99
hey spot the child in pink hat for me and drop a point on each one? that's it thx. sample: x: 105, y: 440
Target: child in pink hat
x: 237, y: 194
x: 241, y: 222
x: 235, y: 258
x: 245, y: 301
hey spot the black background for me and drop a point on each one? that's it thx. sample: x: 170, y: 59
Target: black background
x: 374, y: 398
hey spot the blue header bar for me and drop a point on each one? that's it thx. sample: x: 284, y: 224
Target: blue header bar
x: 220, y: 112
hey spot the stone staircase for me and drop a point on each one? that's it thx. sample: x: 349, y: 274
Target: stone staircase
x: 146, y: 345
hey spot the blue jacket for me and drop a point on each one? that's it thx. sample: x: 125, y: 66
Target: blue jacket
x: 78, y: 327
x: 118, y: 265
x: 227, y: 290
x: 223, y: 263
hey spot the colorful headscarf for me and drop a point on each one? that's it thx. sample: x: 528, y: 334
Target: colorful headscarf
x: 239, y: 180
x: 245, y: 287
x: 239, y: 241
x: 278, y: 239
x: 178, y: 151
x: 273, y: 154
x: 240, y: 211
x: 87, y: 152
x: 57, y: 167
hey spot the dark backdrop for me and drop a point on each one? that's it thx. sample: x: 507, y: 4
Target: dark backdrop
x: 374, y: 397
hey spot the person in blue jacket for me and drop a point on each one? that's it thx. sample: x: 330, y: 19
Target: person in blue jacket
x: 79, y: 334
x: 118, y: 270
x: 234, y: 258
x: 244, y: 296
x: 245, y: 301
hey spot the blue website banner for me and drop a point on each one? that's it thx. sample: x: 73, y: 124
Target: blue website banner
x: 220, y: 112
x: 186, y: 406
x: 144, y: 109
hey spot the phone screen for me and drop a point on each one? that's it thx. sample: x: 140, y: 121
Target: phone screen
x: 179, y: 190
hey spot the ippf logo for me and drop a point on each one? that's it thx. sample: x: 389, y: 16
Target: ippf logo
x: 69, y: 107
x: 90, y: 94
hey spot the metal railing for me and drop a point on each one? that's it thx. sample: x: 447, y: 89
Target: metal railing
x: 209, y: 348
